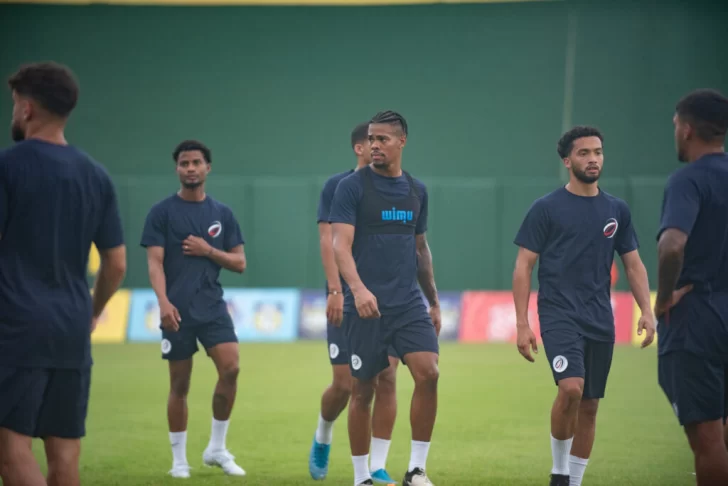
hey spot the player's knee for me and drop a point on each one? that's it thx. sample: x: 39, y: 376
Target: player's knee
x: 362, y: 393
x: 229, y: 373
x: 179, y: 387
x: 705, y: 437
x: 427, y: 375
x: 341, y: 386
x: 62, y: 456
x: 387, y: 382
x: 588, y: 409
x: 571, y: 390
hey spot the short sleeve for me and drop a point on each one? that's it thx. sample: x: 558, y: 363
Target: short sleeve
x: 233, y: 235
x: 680, y: 204
x: 155, y: 228
x: 346, y: 201
x: 421, y: 227
x: 110, y: 233
x: 325, y: 200
x: 626, y: 235
x: 534, y: 230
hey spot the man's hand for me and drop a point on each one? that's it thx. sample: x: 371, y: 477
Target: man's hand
x: 526, y: 341
x: 170, y: 316
x: 335, y: 308
x: 663, y: 307
x: 366, y: 304
x: 196, y: 246
x: 436, y: 318
x: 647, y: 324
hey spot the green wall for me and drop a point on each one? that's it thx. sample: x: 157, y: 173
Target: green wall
x: 276, y: 91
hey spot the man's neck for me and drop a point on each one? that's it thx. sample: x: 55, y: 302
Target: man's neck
x: 702, y: 151
x: 579, y: 188
x: 193, y: 195
x: 47, y: 133
x: 394, y: 170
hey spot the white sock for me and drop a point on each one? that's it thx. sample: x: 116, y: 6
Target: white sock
x: 325, y: 431
x: 418, y: 457
x: 179, y: 448
x: 361, y: 468
x: 577, y: 465
x: 217, y: 437
x: 379, y: 452
x: 560, y: 450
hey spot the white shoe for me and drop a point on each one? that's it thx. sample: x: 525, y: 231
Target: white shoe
x: 180, y: 471
x: 224, y: 460
x: 417, y: 477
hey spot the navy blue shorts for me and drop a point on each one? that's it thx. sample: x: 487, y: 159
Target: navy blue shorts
x: 572, y: 355
x: 39, y: 402
x: 182, y: 344
x: 697, y: 388
x: 369, y: 340
x: 338, y: 348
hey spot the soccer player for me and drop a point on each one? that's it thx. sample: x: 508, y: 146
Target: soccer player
x: 336, y: 396
x: 379, y: 220
x: 692, y: 293
x: 189, y: 237
x: 574, y: 232
x: 55, y: 201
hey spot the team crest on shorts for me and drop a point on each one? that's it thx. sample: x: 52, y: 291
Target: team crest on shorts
x: 333, y: 350
x: 355, y: 362
x: 560, y: 363
x: 166, y: 346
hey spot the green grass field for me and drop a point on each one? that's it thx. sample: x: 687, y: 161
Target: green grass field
x: 492, y: 426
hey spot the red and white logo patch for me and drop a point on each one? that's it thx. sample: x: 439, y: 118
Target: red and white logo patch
x: 215, y: 229
x: 610, y: 229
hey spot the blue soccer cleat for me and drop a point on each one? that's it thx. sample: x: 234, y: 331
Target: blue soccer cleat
x: 381, y: 476
x: 318, y: 460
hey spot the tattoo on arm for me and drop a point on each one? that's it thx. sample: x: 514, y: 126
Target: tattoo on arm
x: 425, y: 272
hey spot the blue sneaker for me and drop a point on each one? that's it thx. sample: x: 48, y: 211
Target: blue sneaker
x: 318, y: 460
x: 381, y: 476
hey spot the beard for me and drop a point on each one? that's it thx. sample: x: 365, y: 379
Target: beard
x: 17, y: 133
x: 583, y: 177
x: 191, y: 185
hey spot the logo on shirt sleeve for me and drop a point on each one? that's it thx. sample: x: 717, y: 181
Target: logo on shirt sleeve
x: 610, y: 229
x: 215, y: 229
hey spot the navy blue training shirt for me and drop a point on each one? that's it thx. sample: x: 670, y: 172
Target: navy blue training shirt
x: 696, y: 202
x: 192, y: 282
x: 55, y: 201
x: 385, y: 256
x: 324, y: 207
x: 576, y: 237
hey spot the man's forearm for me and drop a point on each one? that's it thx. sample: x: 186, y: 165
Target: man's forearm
x: 107, y: 283
x: 347, y: 267
x: 669, y: 266
x: 638, y: 282
x: 426, y: 275
x: 329, y: 263
x: 158, y: 282
x: 521, y: 294
x: 235, y: 262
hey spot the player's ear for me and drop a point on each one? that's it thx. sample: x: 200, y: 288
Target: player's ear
x: 567, y: 163
x: 359, y: 149
x: 402, y: 141
x: 208, y: 167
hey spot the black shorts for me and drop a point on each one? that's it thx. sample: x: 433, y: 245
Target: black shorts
x: 572, y: 355
x: 42, y: 403
x: 338, y: 348
x: 370, y: 340
x: 182, y: 344
x: 697, y: 388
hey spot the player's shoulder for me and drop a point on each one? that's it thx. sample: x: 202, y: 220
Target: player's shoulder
x: 549, y: 200
x: 612, y: 199
x: 419, y: 185
x: 163, y: 205
x: 334, y: 180
x: 220, y: 206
